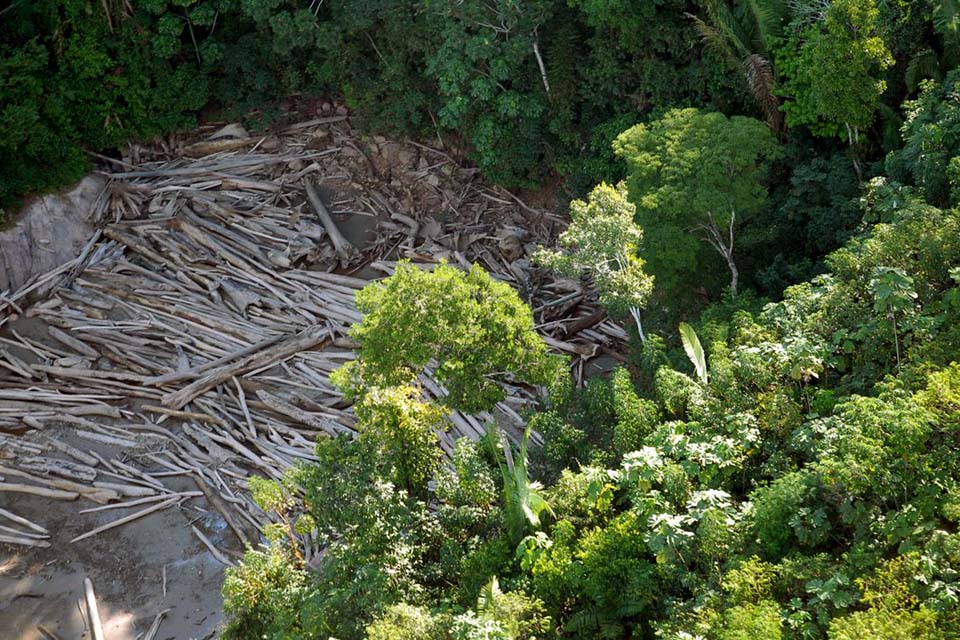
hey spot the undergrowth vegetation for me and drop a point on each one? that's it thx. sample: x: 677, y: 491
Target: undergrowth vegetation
x: 792, y: 473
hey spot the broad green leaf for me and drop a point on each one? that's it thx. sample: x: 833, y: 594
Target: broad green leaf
x: 691, y: 344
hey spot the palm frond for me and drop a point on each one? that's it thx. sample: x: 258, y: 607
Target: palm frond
x: 724, y: 20
x: 760, y: 80
x: 714, y: 39
x: 768, y: 17
x: 924, y: 64
x: 946, y: 18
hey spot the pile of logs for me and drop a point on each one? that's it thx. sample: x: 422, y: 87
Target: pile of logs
x: 195, y: 334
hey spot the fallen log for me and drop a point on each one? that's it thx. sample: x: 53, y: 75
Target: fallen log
x: 21, y: 520
x: 302, y: 341
x: 26, y: 542
x: 340, y: 244
x: 93, y: 613
x: 55, y: 494
x: 125, y: 519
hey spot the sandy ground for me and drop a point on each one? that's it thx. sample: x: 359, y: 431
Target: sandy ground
x: 126, y: 565
x: 43, y: 586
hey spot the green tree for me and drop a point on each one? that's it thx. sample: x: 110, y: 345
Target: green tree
x: 476, y: 329
x: 931, y: 139
x: 603, y: 239
x: 833, y: 64
x: 403, y: 432
x: 700, y: 172
x: 893, y: 293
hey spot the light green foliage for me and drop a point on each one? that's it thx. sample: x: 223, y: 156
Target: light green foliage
x: 403, y: 432
x: 893, y: 612
x: 269, y: 494
x: 406, y: 622
x: 752, y: 581
x: 512, y: 615
x: 523, y: 503
x: 469, y: 482
x: 777, y: 520
x: 603, y: 240
x: 676, y: 391
x: 837, y: 308
x: 751, y: 622
x: 694, y: 176
x: 585, y: 497
x: 475, y: 328
x: 635, y: 416
x: 892, y: 290
x: 832, y: 65
x: 262, y: 596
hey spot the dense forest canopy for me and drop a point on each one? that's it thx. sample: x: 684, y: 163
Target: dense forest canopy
x: 764, y: 191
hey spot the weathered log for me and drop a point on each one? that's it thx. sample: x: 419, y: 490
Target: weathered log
x: 62, y: 468
x: 209, y: 545
x: 93, y: 613
x: 340, y: 244
x: 55, y: 494
x: 68, y: 340
x: 282, y: 407
x: 27, y: 542
x: 304, y: 340
x: 21, y: 520
x: 126, y: 519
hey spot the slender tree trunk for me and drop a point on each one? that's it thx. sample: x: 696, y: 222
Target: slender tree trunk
x: 896, y: 341
x: 724, y: 247
x: 543, y: 68
x: 734, y: 273
x: 635, y: 312
x: 853, y: 137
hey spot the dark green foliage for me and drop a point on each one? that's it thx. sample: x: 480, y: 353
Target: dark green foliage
x: 78, y: 74
x: 931, y: 136
x: 597, y: 424
x: 73, y: 77
x: 813, y: 209
x: 695, y: 178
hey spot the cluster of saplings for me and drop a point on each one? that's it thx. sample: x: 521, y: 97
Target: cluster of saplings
x: 791, y: 472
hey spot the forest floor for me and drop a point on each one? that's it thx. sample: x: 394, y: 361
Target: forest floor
x: 189, y: 346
